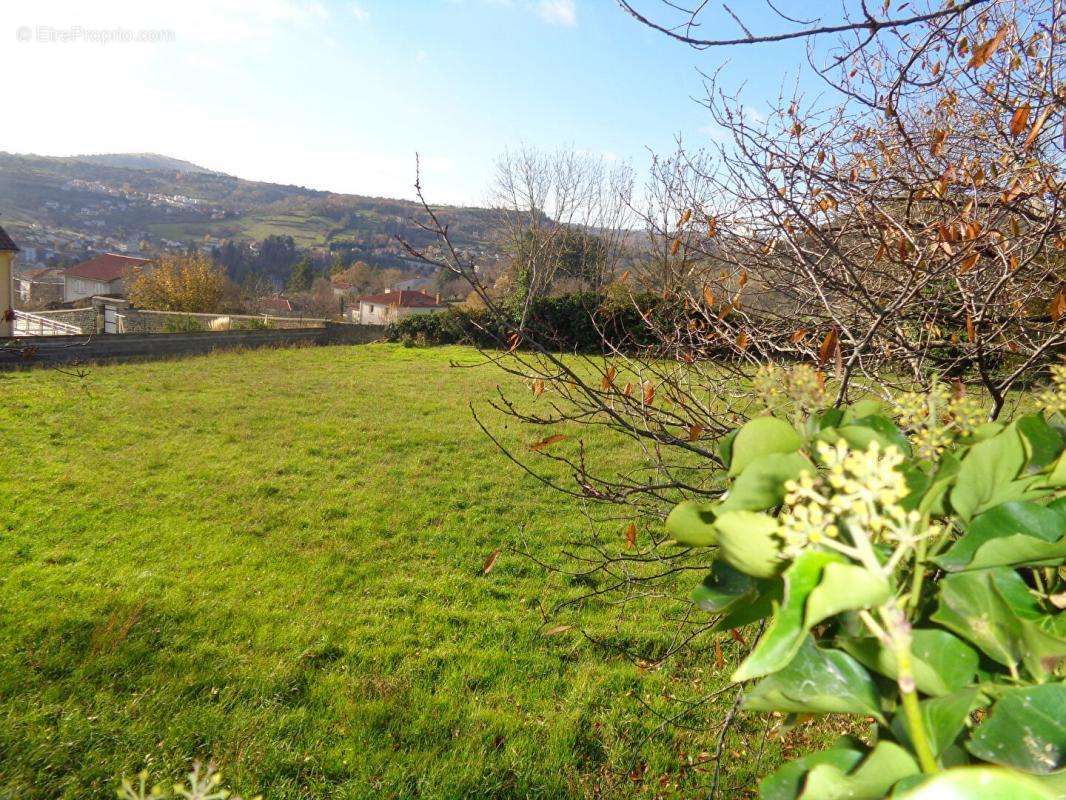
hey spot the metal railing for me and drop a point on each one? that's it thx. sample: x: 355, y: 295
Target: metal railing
x: 27, y: 324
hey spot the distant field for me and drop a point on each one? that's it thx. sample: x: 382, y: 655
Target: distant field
x: 305, y: 231
x: 273, y: 558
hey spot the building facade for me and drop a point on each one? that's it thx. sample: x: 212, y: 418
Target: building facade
x: 389, y: 307
x: 109, y: 274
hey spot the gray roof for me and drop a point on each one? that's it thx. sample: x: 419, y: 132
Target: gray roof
x: 6, y: 244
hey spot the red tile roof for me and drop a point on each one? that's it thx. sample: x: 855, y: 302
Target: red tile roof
x: 107, y: 267
x: 404, y: 299
x: 277, y: 304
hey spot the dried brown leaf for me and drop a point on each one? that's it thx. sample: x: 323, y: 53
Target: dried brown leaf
x: 555, y: 437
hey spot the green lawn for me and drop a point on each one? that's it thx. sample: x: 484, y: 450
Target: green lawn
x: 274, y: 559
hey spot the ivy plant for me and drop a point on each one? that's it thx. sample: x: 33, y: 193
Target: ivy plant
x: 907, y: 564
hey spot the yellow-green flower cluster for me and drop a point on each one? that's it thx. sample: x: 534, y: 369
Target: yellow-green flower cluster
x: 1053, y: 399
x: 937, y: 416
x: 859, y: 495
x: 801, y: 385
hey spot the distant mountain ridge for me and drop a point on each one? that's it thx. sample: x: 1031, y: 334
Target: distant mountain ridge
x: 105, y: 201
x: 143, y: 161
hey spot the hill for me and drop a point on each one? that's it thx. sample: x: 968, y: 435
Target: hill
x: 143, y: 161
x: 139, y: 201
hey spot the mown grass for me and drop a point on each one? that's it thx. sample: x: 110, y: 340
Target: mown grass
x: 274, y: 559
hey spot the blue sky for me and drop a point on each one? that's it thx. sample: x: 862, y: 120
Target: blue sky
x: 340, y: 95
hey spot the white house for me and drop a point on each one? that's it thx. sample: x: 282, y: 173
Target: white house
x: 40, y: 285
x: 382, y: 309
x: 109, y: 273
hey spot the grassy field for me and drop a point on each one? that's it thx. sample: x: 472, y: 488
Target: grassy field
x: 274, y: 559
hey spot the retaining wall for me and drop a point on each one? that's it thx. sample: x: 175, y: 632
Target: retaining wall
x: 46, y: 350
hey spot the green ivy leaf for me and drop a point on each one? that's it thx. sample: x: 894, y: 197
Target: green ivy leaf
x: 787, y: 630
x: 1026, y: 729
x: 860, y: 409
x: 986, y: 475
x: 1010, y: 534
x: 767, y: 595
x: 725, y: 447
x: 860, y: 432
x: 1041, y: 441
x: 918, y: 483
x: 886, y: 764
x: 979, y: 783
x: 762, y: 484
x: 944, y: 718
x: 760, y: 437
x: 817, y: 681
x: 692, y: 523
x: 787, y: 782
x: 1056, y: 477
x: 1043, y: 635
x: 845, y: 587
x: 970, y: 606
x: 942, y: 663
x: 933, y: 500
x: 830, y: 418
x: 748, y: 541
x: 722, y: 587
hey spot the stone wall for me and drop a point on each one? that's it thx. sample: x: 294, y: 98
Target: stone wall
x: 46, y: 350
x: 84, y: 318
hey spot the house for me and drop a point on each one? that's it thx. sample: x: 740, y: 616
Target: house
x: 40, y: 286
x: 7, y: 310
x: 276, y: 306
x: 109, y: 274
x: 382, y: 309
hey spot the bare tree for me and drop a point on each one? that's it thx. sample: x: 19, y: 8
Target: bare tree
x: 908, y: 223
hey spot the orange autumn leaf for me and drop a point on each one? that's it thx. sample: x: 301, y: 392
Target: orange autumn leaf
x: 538, y: 387
x: 1019, y: 120
x: 712, y: 227
x: 631, y: 535
x: 555, y: 437
x: 649, y: 393
x: 675, y: 246
x: 969, y: 263
x: 971, y: 333
x: 1057, y: 309
x: 708, y: 296
x: 1035, y: 131
x: 694, y: 432
x: 719, y: 658
x: 985, y: 51
x: 490, y: 562
x: 743, y: 278
x: 742, y: 340
x: 608, y: 378
x: 828, y: 347
x: 513, y: 342
x: 628, y: 391
x: 939, y: 137
x: 624, y: 277
x: 798, y: 336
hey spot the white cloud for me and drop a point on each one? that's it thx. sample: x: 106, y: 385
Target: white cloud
x: 558, y: 12
x: 359, y: 12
